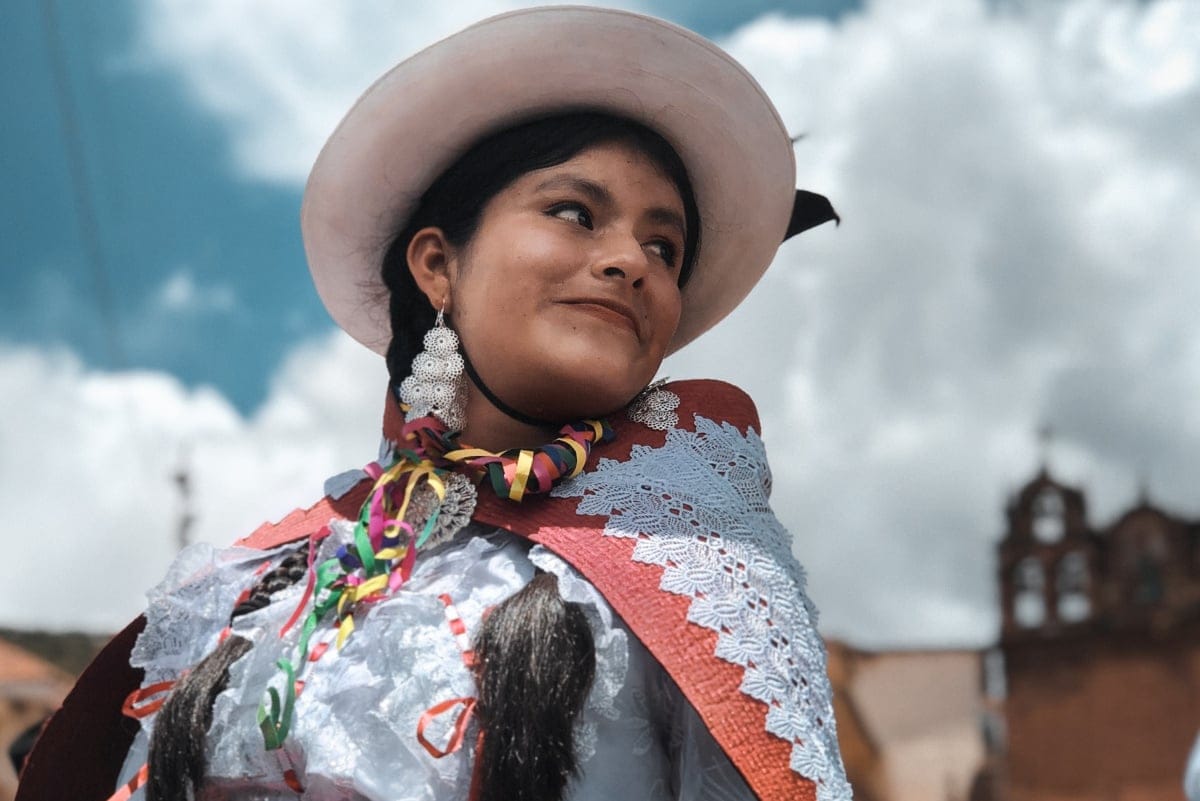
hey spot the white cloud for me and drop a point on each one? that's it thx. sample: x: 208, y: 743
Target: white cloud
x: 180, y: 292
x: 281, y: 73
x: 1021, y: 194
x: 1021, y: 200
x: 90, y: 505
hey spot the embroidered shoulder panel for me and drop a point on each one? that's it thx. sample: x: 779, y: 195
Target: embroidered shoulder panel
x: 699, y: 508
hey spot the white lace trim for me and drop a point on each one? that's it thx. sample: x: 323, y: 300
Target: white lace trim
x: 698, y: 507
x: 188, y: 609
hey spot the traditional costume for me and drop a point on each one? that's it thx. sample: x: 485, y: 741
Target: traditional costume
x: 710, y: 677
x: 670, y: 530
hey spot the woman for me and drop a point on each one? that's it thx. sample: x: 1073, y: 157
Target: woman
x: 558, y: 581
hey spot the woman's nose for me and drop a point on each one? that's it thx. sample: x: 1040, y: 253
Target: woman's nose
x: 625, y: 261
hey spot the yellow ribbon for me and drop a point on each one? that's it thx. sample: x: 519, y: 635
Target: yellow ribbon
x: 521, y: 477
x: 463, y: 454
x: 580, y: 456
x: 344, y: 630
x: 370, y: 586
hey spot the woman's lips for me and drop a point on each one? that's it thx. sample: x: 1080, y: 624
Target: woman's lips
x: 611, y: 311
x: 607, y: 309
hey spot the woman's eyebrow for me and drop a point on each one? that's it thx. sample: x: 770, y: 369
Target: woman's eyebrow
x: 595, y: 192
x: 601, y: 196
x: 670, y: 217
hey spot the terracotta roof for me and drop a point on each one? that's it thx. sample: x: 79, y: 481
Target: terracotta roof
x: 18, y: 666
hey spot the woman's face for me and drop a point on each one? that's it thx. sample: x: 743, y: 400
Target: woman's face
x: 567, y: 295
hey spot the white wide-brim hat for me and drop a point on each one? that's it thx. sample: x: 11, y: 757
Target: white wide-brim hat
x: 417, y: 119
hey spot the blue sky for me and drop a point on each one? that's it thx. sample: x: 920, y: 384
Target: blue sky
x: 165, y: 200
x: 170, y: 211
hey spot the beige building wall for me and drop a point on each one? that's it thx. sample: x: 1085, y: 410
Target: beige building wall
x: 921, y: 713
x: 940, y: 765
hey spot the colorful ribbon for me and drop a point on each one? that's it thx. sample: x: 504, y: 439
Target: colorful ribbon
x: 133, y: 706
x: 457, y: 733
x: 126, y: 791
x: 382, y: 554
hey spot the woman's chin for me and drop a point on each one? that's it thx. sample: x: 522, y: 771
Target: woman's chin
x: 571, y: 374
x: 586, y: 393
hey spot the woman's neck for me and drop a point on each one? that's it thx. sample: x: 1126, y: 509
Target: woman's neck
x: 491, y: 429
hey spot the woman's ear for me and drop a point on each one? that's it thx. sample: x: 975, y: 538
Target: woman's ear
x: 429, y: 254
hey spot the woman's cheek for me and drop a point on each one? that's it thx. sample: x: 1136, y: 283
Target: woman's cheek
x: 666, y: 312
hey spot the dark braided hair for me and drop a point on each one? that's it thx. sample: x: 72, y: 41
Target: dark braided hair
x: 535, y: 661
x: 178, y: 757
x: 455, y: 203
x: 536, y: 652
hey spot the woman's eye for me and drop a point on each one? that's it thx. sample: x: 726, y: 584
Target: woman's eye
x: 665, y: 251
x: 573, y: 212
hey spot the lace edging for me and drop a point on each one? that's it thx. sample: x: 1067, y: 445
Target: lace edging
x: 187, y: 610
x: 698, y: 507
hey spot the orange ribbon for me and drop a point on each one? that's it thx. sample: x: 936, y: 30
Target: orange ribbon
x: 460, y: 725
x: 130, y: 708
x: 125, y: 791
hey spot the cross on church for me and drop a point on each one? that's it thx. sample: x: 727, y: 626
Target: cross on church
x: 1045, y: 434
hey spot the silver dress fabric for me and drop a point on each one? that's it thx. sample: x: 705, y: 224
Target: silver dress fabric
x: 354, y: 735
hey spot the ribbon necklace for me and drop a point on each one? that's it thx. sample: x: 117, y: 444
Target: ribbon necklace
x: 381, y: 557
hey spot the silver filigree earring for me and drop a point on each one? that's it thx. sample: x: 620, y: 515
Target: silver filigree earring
x: 654, y: 407
x: 437, y: 385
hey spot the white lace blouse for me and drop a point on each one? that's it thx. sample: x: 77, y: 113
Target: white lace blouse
x: 354, y: 735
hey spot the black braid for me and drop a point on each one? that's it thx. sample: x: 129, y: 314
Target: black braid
x: 178, y: 746
x: 536, y: 659
x: 535, y: 645
x: 290, y: 571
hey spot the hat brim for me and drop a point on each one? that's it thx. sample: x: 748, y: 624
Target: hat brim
x: 417, y: 119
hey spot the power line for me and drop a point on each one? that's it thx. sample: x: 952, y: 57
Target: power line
x: 81, y: 195
x: 89, y: 230
x: 187, y: 518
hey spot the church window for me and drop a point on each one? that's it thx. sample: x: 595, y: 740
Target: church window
x: 1029, y: 600
x: 1149, y: 587
x: 1071, y: 583
x: 1049, y: 516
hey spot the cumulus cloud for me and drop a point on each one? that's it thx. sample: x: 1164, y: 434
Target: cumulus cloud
x: 281, y: 73
x: 1021, y: 198
x: 180, y: 293
x: 91, y: 506
x: 1021, y: 192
